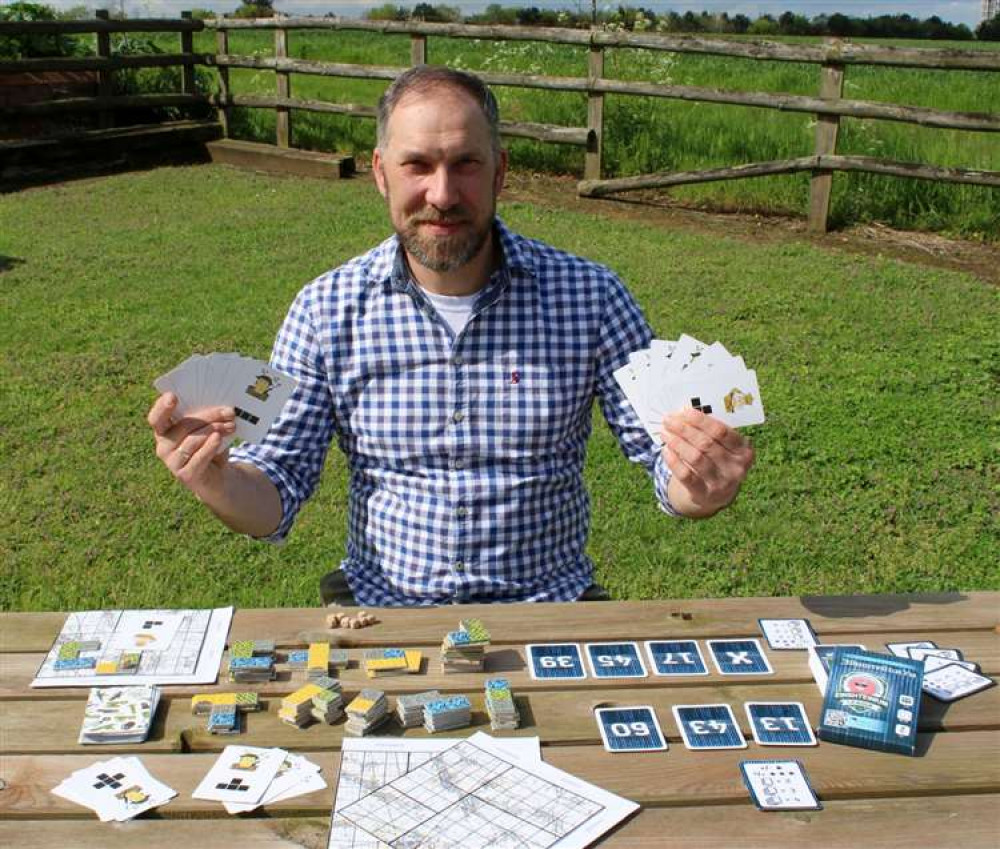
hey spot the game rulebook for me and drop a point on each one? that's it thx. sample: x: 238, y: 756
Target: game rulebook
x: 872, y: 701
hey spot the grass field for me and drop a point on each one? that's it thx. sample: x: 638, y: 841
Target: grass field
x: 647, y: 134
x: 877, y: 469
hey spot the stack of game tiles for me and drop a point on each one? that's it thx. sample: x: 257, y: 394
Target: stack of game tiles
x: 464, y: 650
x: 119, y: 714
x: 223, y: 719
x: 318, y: 661
x: 948, y: 676
x: 297, y: 708
x: 338, y: 658
x: 500, y: 705
x: 447, y: 714
x: 297, y: 658
x: 328, y: 706
x: 368, y: 710
x: 410, y: 708
x: 245, y: 777
x: 256, y: 391
x: 202, y: 703
x: 381, y: 663
x: 669, y: 376
x: 251, y: 661
x: 116, y: 790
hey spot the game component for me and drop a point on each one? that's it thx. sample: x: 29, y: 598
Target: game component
x: 780, y: 724
x: 739, y: 657
x: 447, y: 714
x: 74, y: 663
x: 318, y: 661
x: 821, y: 656
x: 872, y: 701
x: 338, y: 658
x: 500, y: 705
x: 676, y: 657
x: 241, y: 774
x: 410, y: 708
x: 116, y: 790
x: 202, y: 703
x: 786, y: 634
x: 902, y: 649
x: 119, y: 714
x: 381, y: 663
x: 241, y: 648
x: 327, y: 706
x: 464, y: 650
x: 69, y: 650
x: 344, y: 620
x: 297, y: 658
x: 555, y: 661
x: 615, y: 660
x: 308, y: 703
x: 708, y: 727
x: 922, y: 653
x: 366, y: 713
x: 295, y: 777
x: 223, y: 719
x: 630, y: 729
x: 932, y: 662
x: 953, y: 681
x: 248, y: 670
x: 779, y: 786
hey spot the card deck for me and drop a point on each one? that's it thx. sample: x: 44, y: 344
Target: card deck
x: 630, y: 729
x: 615, y: 660
x: 555, y: 661
x: 788, y: 633
x: 708, y: 727
x: 240, y: 774
x: 739, y: 657
x: 780, y: 724
x: 117, y: 790
x: 953, y: 681
x: 779, y: 786
x: 676, y: 657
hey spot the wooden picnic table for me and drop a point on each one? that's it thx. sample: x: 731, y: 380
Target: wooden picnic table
x: 949, y: 795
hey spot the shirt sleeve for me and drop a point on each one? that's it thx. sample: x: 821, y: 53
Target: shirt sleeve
x: 294, y: 451
x: 623, y: 330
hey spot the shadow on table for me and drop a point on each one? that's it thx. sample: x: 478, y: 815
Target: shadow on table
x: 857, y: 606
x: 504, y: 660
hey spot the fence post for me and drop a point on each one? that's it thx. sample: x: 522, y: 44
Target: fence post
x: 222, y: 49
x: 104, y: 82
x: 418, y: 49
x: 187, y: 47
x: 595, y: 116
x: 284, y: 118
x: 831, y: 87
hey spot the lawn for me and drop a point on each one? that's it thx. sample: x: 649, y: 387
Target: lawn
x: 877, y: 469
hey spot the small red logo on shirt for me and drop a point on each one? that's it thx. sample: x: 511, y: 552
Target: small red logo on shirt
x: 515, y: 377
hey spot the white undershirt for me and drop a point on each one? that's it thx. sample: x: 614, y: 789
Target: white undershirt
x: 454, y: 309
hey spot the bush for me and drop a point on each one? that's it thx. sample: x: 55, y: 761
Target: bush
x: 28, y: 46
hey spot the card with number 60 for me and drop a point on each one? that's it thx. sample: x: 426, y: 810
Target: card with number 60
x: 630, y: 729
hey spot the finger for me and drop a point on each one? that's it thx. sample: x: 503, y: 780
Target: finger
x: 697, y: 428
x: 214, y: 416
x: 160, y: 412
x: 689, y: 478
x: 181, y: 453
x: 699, y: 460
x: 202, y: 457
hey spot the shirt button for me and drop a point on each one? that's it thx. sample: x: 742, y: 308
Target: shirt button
x: 457, y: 416
x: 457, y: 464
x: 459, y: 566
x: 462, y: 512
x: 456, y: 360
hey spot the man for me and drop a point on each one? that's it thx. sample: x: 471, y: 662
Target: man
x: 456, y: 365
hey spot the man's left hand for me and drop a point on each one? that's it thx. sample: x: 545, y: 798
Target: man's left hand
x: 709, y: 462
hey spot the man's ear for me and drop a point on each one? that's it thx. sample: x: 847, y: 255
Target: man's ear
x: 377, y: 171
x: 501, y: 173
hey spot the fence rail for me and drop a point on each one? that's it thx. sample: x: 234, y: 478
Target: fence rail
x: 829, y: 106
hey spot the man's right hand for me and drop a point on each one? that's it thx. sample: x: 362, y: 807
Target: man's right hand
x: 189, y: 447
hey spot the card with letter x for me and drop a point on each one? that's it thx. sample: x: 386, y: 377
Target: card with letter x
x: 555, y: 661
x: 780, y: 724
x: 739, y: 657
x: 615, y: 660
x: 708, y: 727
x: 630, y: 729
x: 241, y: 774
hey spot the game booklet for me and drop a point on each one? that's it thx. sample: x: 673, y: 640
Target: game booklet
x: 872, y: 701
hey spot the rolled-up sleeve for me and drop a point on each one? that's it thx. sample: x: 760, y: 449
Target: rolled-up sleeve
x: 294, y: 451
x: 623, y: 330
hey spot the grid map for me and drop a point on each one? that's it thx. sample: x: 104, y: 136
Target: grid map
x: 464, y: 797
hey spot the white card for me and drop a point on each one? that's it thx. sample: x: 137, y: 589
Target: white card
x: 241, y: 774
x: 902, y: 649
x: 295, y: 777
x: 933, y: 661
x: 788, y: 633
x: 117, y: 790
x: 732, y: 397
x: 259, y: 393
x: 953, y: 682
x: 920, y: 654
x: 779, y: 786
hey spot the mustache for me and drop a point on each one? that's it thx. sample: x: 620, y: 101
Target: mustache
x: 452, y: 216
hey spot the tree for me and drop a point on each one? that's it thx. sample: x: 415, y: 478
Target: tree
x: 255, y: 9
x: 26, y: 46
x: 989, y: 30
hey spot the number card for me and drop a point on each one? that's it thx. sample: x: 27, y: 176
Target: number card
x: 555, y: 661
x: 739, y: 657
x: 630, y: 729
x: 779, y: 786
x: 708, y: 727
x: 788, y: 633
x: 780, y: 724
x: 615, y: 660
x: 679, y: 657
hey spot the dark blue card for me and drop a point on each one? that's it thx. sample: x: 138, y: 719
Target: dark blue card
x: 780, y: 724
x: 630, y: 729
x: 678, y: 657
x: 739, y: 657
x: 708, y: 727
x: 555, y: 661
x: 615, y: 660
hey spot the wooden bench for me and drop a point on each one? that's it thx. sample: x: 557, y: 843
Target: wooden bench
x: 947, y: 796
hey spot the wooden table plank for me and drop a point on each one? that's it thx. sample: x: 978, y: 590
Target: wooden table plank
x: 681, y: 618
x: 983, y: 647
x: 953, y: 764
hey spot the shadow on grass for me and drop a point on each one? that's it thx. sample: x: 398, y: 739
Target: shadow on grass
x: 8, y: 262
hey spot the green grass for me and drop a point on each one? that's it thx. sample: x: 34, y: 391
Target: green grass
x: 877, y: 470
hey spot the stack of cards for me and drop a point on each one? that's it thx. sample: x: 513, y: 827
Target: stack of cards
x: 670, y: 375
x: 116, y: 790
x: 464, y: 650
x: 256, y: 391
x: 382, y: 663
x: 119, y: 714
x: 410, y: 708
x: 245, y: 777
x: 447, y: 714
x: 947, y: 675
x: 500, y: 705
x: 368, y: 710
x: 821, y: 659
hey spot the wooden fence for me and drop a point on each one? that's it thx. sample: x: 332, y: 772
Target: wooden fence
x: 828, y: 106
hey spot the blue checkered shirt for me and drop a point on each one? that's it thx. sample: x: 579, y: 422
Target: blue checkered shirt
x: 465, y: 452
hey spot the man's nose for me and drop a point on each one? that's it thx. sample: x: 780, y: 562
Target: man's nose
x: 442, y: 190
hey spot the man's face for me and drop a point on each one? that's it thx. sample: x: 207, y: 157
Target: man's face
x: 440, y: 177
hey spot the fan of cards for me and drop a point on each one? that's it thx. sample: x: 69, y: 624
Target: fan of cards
x: 116, y: 790
x: 245, y: 777
x: 256, y: 391
x: 669, y: 375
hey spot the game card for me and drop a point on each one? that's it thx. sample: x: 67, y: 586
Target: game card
x: 615, y: 660
x: 555, y: 661
x: 780, y: 724
x: 784, y: 634
x: 241, y: 774
x: 902, y: 649
x: 952, y: 682
x: 708, y: 727
x: 117, y: 790
x: 739, y: 657
x: 676, y: 657
x: 630, y: 729
x: 922, y: 653
x: 779, y: 786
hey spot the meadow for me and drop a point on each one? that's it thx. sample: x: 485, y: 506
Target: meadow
x: 876, y: 471
x: 648, y: 134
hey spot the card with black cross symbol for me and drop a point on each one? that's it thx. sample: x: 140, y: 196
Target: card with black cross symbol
x: 241, y: 774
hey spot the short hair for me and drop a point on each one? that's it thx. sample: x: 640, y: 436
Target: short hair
x: 423, y: 78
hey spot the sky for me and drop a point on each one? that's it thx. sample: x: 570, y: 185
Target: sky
x: 956, y: 11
